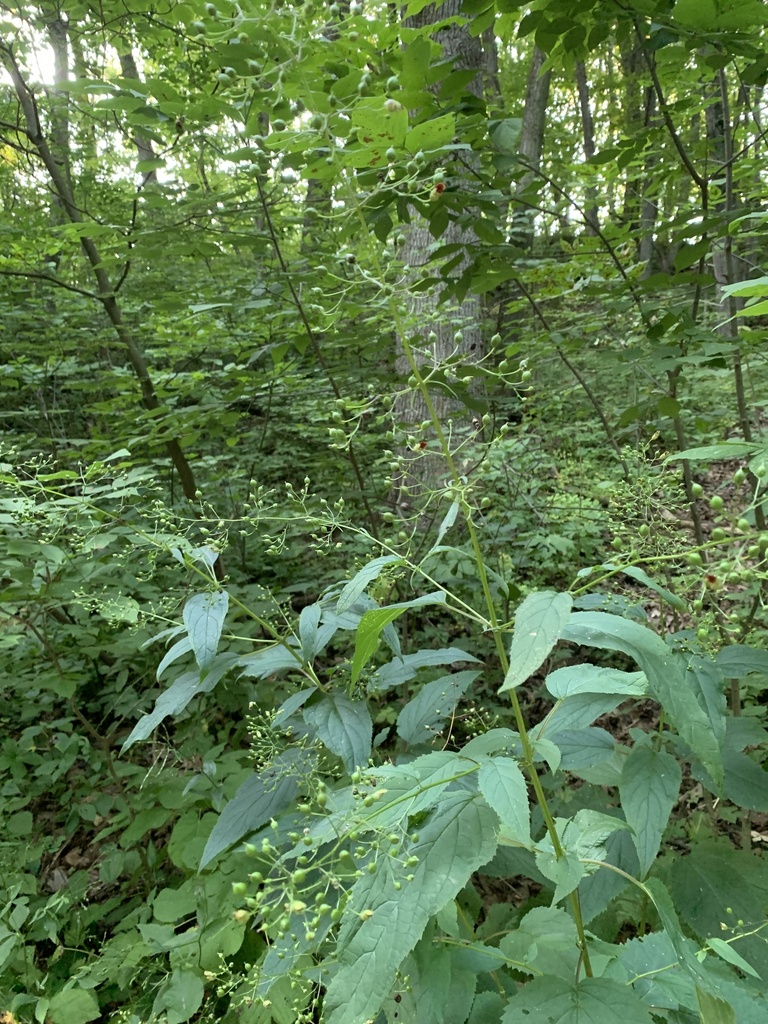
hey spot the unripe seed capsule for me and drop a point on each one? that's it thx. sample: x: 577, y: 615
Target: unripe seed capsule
x: 716, y: 503
x: 697, y: 490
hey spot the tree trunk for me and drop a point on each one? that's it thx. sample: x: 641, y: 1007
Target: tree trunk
x: 441, y: 330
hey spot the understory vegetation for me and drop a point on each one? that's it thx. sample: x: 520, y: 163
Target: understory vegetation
x: 383, y: 480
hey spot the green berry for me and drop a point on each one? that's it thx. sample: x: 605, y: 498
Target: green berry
x: 239, y: 888
x: 693, y: 558
x: 716, y: 503
x: 697, y: 490
x: 718, y: 534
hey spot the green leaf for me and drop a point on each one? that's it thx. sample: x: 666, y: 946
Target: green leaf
x: 738, y: 661
x: 258, y: 799
x: 431, y: 135
x: 728, y: 953
x: 546, y: 937
x: 73, y: 1006
x: 276, y: 658
x: 715, y: 452
x: 182, y: 996
x: 422, y: 718
x: 716, y: 884
x: 309, y: 620
x: 382, y: 923
x: 650, y: 964
x: 591, y: 1001
x: 575, y: 679
x: 677, y: 690
x: 504, y: 787
x: 582, y: 837
x: 649, y: 787
x: 539, y: 622
x: 714, y: 1010
x: 642, y: 577
x: 204, y: 616
x: 400, y: 670
x: 179, y: 649
x: 362, y: 579
x: 344, y: 726
x: 374, y: 621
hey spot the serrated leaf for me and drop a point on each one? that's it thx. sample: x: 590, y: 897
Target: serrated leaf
x: 677, y: 690
x: 73, y: 1006
x: 181, y: 996
x: 258, y: 799
x: 362, y: 579
x: 422, y: 718
x: 204, y: 616
x: 547, y: 938
x: 649, y: 787
x: 344, y: 726
x: 504, y: 787
x: 539, y: 622
x: 383, y: 924
x: 374, y: 621
x: 591, y: 1001
x: 717, y: 884
x: 713, y: 1009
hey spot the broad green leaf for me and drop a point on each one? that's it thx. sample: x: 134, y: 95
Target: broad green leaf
x: 382, y: 923
x: 275, y: 658
x: 486, y: 1009
x: 574, y: 679
x: 422, y: 718
x: 204, y: 616
x: 716, y: 884
x: 577, y: 712
x: 650, y: 964
x: 362, y: 579
x: 181, y: 996
x: 738, y: 661
x: 591, y: 754
x: 676, y: 689
x: 73, y: 1006
x: 590, y: 1001
x: 401, y: 670
x: 494, y: 741
x: 650, y: 784
x: 291, y: 705
x: 373, y: 622
x: 582, y: 838
x: 440, y: 988
x: 539, y: 622
x: 713, y: 1009
x: 504, y: 787
x: 415, y: 787
x: 430, y: 135
x: 258, y: 799
x: 547, y: 938
x: 715, y: 452
x: 344, y: 726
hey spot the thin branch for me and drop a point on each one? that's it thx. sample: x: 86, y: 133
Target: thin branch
x: 50, y: 279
